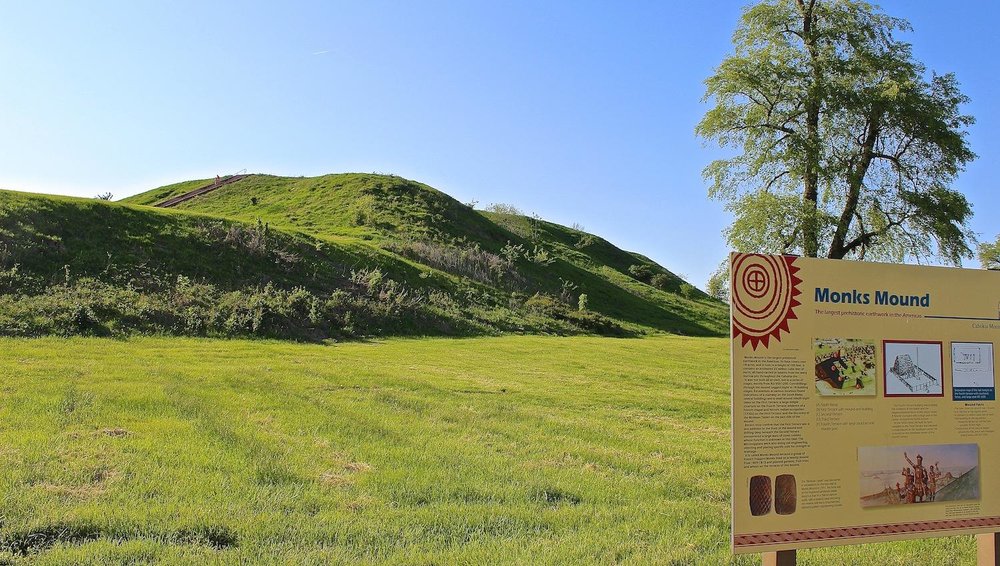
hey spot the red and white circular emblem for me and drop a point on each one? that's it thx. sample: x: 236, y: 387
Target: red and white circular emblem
x: 764, y: 290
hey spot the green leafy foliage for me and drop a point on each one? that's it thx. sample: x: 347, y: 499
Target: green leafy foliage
x: 844, y: 146
x: 989, y: 254
x: 718, y: 282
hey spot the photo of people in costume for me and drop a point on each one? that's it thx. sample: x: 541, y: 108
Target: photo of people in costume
x: 902, y: 475
x: 844, y: 366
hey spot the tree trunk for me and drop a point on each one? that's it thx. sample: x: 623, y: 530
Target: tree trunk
x: 839, y: 247
x: 810, y: 184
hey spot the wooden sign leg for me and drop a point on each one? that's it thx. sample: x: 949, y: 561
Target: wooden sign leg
x: 779, y: 558
x: 988, y: 549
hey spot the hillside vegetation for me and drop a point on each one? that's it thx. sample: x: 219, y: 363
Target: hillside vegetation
x: 312, y: 258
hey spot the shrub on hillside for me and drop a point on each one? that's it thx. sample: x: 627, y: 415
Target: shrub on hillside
x: 587, y: 321
x: 689, y: 291
x: 544, y: 304
x: 504, y: 208
x: 364, y: 211
x: 596, y: 323
x: 584, y: 240
x: 641, y: 272
x: 10, y: 279
x: 472, y: 262
x: 512, y: 252
x: 186, y: 307
x: 567, y: 290
x: 541, y: 256
x: 253, y: 239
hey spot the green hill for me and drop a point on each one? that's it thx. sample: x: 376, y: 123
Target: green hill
x: 965, y: 487
x: 330, y: 256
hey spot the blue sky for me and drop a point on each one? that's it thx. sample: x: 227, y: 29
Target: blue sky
x: 577, y: 111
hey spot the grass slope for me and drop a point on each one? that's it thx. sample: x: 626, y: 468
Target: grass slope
x: 48, y: 236
x: 392, y: 213
x: 354, y: 204
x: 964, y: 487
x: 524, y: 449
x: 72, y: 265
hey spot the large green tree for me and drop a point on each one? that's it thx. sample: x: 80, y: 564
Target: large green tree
x: 846, y: 148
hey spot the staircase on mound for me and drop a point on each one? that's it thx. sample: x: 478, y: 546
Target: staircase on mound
x: 174, y: 201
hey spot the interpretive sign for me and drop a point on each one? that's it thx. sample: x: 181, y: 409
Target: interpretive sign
x: 864, y: 402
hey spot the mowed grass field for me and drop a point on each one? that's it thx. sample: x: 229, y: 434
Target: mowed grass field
x: 529, y: 450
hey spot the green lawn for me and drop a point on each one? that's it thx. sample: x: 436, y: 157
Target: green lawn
x: 520, y: 449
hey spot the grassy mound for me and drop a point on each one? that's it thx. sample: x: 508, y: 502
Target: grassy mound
x: 430, y: 227
x: 313, y: 258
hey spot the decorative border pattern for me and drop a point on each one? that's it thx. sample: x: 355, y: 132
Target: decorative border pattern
x: 763, y: 539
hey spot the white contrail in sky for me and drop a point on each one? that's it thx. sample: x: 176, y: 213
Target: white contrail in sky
x: 321, y: 52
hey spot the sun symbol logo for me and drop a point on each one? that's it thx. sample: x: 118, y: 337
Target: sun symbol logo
x: 764, y: 290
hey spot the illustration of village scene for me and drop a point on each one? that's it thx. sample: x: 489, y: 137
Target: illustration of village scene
x: 902, y: 475
x: 844, y: 366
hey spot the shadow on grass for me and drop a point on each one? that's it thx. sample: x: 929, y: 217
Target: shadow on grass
x: 39, y: 539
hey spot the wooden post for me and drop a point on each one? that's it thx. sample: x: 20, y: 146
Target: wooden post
x: 778, y: 558
x: 988, y: 549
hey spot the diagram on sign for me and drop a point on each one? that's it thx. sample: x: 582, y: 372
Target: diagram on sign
x: 972, y: 371
x: 912, y: 368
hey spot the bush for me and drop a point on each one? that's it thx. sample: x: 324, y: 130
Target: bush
x: 585, y: 240
x: 512, y: 253
x: 661, y: 281
x: 596, y: 323
x: 89, y: 306
x: 83, y: 320
x: 541, y: 256
x: 567, y: 288
x: 544, y: 304
x: 10, y: 279
x: 472, y: 262
x: 689, y: 291
x: 503, y: 208
x: 253, y: 239
x: 641, y: 272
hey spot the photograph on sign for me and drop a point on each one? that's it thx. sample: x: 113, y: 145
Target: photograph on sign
x: 783, y: 492
x: 972, y: 371
x: 760, y: 495
x: 912, y: 368
x: 900, y: 475
x: 844, y: 366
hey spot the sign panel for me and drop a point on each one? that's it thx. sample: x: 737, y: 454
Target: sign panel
x: 864, y: 402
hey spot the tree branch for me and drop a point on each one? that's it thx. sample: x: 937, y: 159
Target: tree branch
x: 856, y: 180
x: 774, y: 179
